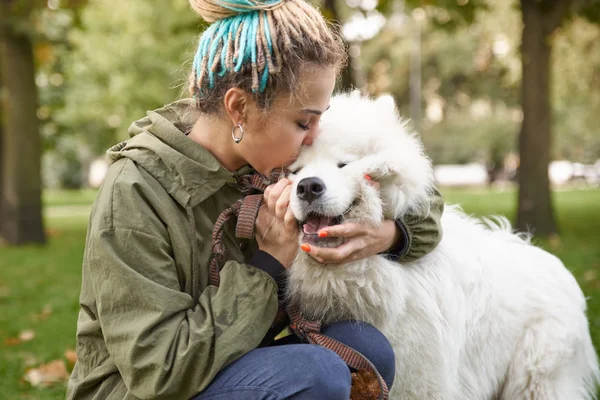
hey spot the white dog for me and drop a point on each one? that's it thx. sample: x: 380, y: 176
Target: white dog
x: 486, y: 315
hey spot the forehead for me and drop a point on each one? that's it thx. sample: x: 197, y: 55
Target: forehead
x: 313, y: 90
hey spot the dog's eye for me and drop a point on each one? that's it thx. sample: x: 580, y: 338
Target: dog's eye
x: 342, y: 164
x: 295, y: 171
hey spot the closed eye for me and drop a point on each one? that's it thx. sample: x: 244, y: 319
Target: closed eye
x: 342, y: 164
x: 295, y: 171
x: 303, y: 127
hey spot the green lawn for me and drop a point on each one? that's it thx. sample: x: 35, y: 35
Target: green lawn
x: 36, y: 278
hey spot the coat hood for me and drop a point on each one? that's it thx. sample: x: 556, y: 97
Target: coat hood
x: 158, y: 144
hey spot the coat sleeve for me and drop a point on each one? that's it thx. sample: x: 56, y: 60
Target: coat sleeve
x: 164, y: 344
x: 421, y: 233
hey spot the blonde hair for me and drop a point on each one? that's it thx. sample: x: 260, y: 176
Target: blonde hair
x: 259, y: 46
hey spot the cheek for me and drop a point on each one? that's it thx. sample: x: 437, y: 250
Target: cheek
x: 289, y: 141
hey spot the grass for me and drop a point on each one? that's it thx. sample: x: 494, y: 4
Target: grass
x: 68, y: 197
x: 34, y: 278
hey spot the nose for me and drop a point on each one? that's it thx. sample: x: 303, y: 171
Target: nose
x: 310, y: 137
x: 310, y: 189
x: 308, y: 141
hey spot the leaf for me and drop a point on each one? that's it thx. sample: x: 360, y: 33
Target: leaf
x: 27, y: 336
x: 45, y: 313
x: 53, y: 232
x: 47, y: 374
x: 71, y: 356
x: 29, y: 359
x: 365, y: 385
x: 12, y: 341
x: 590, y: 275
x: 554, y: 242
x: 44, y: 53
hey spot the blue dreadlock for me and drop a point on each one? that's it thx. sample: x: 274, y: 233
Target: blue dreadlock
x: 230, y: 43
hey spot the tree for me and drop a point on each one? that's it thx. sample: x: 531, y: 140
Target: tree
x: 21, y: 204
x: 469, y: 87
x: 117, y: 69
x: 21, y: 219
x: 576, y: 91
x: 1, y: 144
x: 331, y: 11
x: 540, y: 20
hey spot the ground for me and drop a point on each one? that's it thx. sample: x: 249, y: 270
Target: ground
x: 39, y: 286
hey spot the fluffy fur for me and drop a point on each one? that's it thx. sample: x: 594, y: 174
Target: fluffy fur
x: 486, y: 315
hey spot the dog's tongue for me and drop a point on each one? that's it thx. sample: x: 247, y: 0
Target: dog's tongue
x: 315, y: 224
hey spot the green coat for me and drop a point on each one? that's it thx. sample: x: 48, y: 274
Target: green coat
x: 150, y: 325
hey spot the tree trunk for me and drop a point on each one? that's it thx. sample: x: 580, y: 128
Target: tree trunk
x: 21, y: 221
x: 535, y: 210
x: 1, y: 146
x: 347, y: 79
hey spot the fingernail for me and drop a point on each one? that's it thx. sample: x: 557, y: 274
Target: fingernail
x: 368, y: 177
x: 305, y: 247
x: 323, y: 234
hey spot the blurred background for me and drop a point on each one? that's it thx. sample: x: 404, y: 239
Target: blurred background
x: 505, y: 95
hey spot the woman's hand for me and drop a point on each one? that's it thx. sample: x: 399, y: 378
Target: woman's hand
x: 362, y: 240
x: 276, y: 227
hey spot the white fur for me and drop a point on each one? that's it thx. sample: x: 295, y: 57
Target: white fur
x: 485, y: 315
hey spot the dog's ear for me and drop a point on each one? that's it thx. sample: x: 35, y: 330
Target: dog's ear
x: 386, y: 102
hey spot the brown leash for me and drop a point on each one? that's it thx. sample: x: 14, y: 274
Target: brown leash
x: 367, y: 383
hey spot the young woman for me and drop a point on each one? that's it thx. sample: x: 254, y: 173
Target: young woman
x: 150, y: 324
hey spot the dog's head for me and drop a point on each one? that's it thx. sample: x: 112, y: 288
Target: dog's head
x: 358, y: 136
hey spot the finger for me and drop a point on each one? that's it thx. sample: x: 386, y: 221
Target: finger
x: 275, y: 193
x: 371, y: 182
x: 289, y: 222
x: 283, y: 202
x: 345, y: 230
x: 262, y: 218
x: 335, y: 255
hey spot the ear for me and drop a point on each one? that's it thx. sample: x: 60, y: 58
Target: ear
x: 387, y: 102
x: 236, y: 103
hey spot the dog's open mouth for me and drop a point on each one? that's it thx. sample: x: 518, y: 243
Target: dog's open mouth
x: 314, y: 223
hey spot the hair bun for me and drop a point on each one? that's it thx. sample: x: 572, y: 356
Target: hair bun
x: 215, y: 10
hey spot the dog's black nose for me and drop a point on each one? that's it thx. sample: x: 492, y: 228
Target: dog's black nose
x: 310, y: 189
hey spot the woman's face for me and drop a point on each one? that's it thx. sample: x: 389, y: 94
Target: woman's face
x: 275, y: 138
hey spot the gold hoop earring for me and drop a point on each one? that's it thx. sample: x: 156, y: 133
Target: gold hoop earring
x: 235, y: 138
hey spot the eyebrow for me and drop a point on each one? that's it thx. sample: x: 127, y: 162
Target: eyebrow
x: 316, y: 112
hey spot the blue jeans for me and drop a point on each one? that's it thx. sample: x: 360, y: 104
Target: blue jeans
x: 290, y: 369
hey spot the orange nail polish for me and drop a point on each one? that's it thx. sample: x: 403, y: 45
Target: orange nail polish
x: 323, y: 234
x: 368, y: 177
x: 305, y: 247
